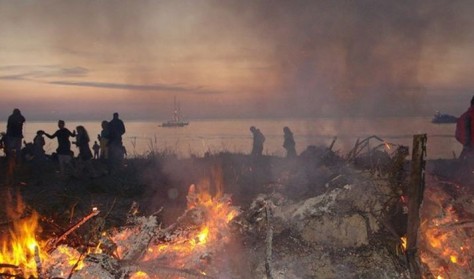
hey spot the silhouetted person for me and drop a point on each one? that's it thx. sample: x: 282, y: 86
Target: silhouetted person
x: 38, y: 146
x: 85, y: 154
x: 103, y: 138
x: 2, y: 142
x: 258, y: 140
x: 116, y: 130
x: 14, y: 134
x: 465, y: 132
x: 64, y: 145
x: 82, y: 142
x: 96, y: 148
x: 289, y: 143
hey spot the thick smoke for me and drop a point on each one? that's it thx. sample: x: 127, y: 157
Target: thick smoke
x: 358, y: 57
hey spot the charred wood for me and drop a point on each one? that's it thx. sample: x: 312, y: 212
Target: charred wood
x: 268, y: 241
x: 415, y: 197
x: 55, y: 241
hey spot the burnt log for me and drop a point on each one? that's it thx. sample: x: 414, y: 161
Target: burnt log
x: 415, y: 197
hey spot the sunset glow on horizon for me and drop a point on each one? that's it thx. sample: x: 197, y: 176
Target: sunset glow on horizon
x: 225, y: 59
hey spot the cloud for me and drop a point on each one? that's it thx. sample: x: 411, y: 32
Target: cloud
x: 23, y: 76
x: 73, y: 71
x: 35, y: 72
x: 139, y: 87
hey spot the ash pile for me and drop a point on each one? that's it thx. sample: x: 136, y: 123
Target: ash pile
x: 350, y: 225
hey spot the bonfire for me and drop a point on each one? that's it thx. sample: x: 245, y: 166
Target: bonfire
x: 142, y: 249
x: 339, y: 223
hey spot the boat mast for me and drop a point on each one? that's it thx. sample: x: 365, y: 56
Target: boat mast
x: 176, y: 112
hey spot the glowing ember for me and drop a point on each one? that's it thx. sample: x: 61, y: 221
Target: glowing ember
x: 139, y: 275
x: 403, y: 239
x: 446, y: 245
x: 204, y: 229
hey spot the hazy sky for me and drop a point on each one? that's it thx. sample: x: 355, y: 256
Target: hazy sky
x: 238, y: 58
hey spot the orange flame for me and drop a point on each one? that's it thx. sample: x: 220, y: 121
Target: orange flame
x: 404, y: 243
x: 218, y: 214
x: 22, y: 248
x: 139, y: 275
x: 19, y: 245
x: 206, y: 230
x: 444, y: 249
x: 209, y: 231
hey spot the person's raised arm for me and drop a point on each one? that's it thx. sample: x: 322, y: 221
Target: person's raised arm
x: 73, y: 134
x: 49, y: 136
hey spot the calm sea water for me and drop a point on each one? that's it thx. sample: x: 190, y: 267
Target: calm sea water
x: 213, y: 136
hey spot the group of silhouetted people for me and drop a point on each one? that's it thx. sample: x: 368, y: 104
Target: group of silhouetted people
x: 111, y: 148
x: 108, y: 148
x: 258, y: 140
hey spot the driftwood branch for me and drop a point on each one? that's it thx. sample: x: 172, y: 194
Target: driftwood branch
x: 54, y: 243
x: 268, y: 241
x: 332, y: 143
x: 39, y: 268
x: 360, y: 145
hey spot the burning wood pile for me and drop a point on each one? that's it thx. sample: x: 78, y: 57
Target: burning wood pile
x: 142, y: 249
x: 447, y: 230
x: 347, y: 223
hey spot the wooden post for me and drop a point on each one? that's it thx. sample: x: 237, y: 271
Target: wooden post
x: 415, y: 197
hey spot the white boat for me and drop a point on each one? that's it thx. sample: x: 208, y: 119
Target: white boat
x: 177, y: 120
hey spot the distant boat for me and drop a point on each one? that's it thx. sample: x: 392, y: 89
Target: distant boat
x: 441, y: 118
x: 177, y: 120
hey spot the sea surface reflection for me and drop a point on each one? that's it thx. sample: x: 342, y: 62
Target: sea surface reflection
x: 233, y: 135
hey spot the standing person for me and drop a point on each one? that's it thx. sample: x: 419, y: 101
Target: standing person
x: 465, y: 132
x: 103, y: 138
x: 2, y: 142
x: 116, y: 131
x: 82, y: 142
x: 38, y: 146
x: 85, y: 154
x: 64, y: 145
x: 96, y: 148
x: 258, y: 140
x: 14, y: 134
x: 289, y: 143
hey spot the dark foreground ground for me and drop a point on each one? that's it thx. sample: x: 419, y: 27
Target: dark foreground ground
x: 161, y: 182
x: 155, y: 183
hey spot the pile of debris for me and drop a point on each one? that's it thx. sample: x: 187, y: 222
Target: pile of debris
x: 342, y: 233
x: 350, y: 223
